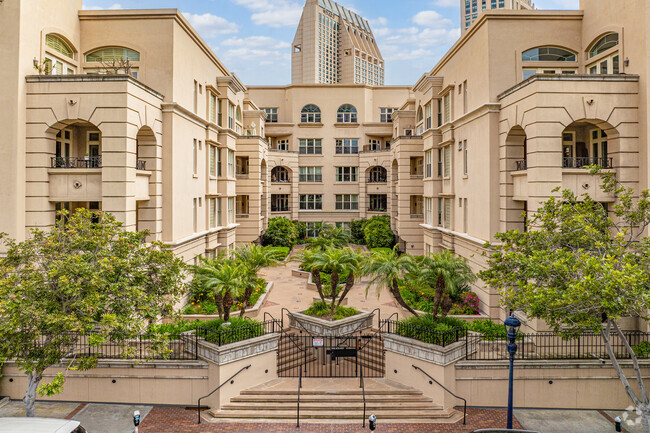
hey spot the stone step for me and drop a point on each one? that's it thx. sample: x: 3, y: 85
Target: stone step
x: 332, y: 406
x: 303, y: 392
x: 328, y: 398
x: 340, y: 414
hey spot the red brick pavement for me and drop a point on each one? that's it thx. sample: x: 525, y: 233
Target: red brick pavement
x: 180, y: 420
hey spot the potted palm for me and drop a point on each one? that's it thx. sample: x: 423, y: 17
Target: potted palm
x: 253, y: 258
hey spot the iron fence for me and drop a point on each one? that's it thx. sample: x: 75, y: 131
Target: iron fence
x: 76, y: 162
x: 549, y: 345
x: 226, y: 335
x: 424, y: 334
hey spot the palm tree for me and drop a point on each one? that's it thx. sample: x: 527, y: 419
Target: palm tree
x: 447, y: 274
x: 254, y: 258
x: 223, y: 278
x: 307, y: 259
x: 330, y: 236
x: 385, y: 269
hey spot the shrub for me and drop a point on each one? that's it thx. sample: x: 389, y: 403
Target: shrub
x: 174, y: 328
x: 323, y: 310
x: 491, y: 330
x: 356, y: 230
x: 440, y: 331
x: 377, y: 232
x: 642, y: 350
x: 301, y: 228
x: 468, y: 304
x: 386, y: 250
x: 200, y: 303
x: 282, y: 252
x: 281, y: 232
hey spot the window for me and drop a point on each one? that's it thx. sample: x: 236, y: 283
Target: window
x: 447, y: 216
x: 57, y: 44
x: 196, y: 95
x: 279, y: 202
x: 429, y: 109
x: 548, y: 54
x: 311, y: 202
x: 608, y: 65
x: 280, y: 175
x: 346, y: 114
x: 427, y: 164
x: 374, y: 144
x: 440, y: 160
x: 345, y: 226
x: 428, y: 211
x: 377, y: 202
x: 312, y: 230
x: 219, y: 220
x: 231, y: 210
x: 417, y: 202
x: 465, y: 157
x: 242, y: 205
x: 604, y: 44
x: 311, y: 146
x: 385, y: 114
x: 310, y: 114
x: 441, y: 207
x: 212, y: 209
x: 347, y: 174
x: 347, y: 146
x: 213, y: 160
x: 231, y: 116
x: 194, y: 215
x: 417, y: 166
x: 219, y: 173
x: 311, y: 174
x: 271, y: 115
x: 447, y: 165
x: 111, y: 54
x: 599, y: 147
x: 212, y: 113
x: 439, y: 112
x: 231, y: 163
x: 377, y: 175
x: 465, y: 215
x: 465, y: 96
x: 195, y: 157
x: 282, y: 144
x: 347, y: 202
x: 447, y: 107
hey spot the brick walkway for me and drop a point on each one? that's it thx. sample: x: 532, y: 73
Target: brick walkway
x: 180, y: 420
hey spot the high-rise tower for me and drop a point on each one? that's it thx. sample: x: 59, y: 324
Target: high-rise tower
x: 334, y: 45
x: 471, y: 9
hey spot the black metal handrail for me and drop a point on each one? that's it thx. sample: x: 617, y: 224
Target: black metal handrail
x: 381, y: 325
x: 585, y: 161
x: 359, y: 326
x: 294, y: 318
x: 443, y: 387
x: 221, y: 337
x: 298, y: 407
x: 383, y: 179
x: 362, y: 385
x: 76, y: 162
x: 198, y: 404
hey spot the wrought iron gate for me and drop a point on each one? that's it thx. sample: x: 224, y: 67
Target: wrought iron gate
x: 328, y: 356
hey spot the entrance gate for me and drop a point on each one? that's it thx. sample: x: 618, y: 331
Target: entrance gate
x: 331, y: 356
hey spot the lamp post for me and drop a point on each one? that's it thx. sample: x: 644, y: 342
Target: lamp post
x: 512, y: 325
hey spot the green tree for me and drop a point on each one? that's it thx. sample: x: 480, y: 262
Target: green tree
x: 386, y: 268
x: 86, y: 279
x: 356, y: 231
x: 329, y: 236
x: 281, y: 232
x: 225, y: 278
x: 446, y: 273
x: 377, y: 232
x: 578, y: 269
x: 254, y: 258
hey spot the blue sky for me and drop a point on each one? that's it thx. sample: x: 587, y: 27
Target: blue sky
x: 253, y: 37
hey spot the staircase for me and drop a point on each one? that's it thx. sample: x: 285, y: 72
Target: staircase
x: 332, y: 400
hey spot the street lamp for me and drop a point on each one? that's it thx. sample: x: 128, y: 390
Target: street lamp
x: 512, y: 325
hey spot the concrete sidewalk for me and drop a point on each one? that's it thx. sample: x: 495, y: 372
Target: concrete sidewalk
x: 576, y: 421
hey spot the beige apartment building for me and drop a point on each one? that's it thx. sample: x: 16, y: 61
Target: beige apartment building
x: 334, y: 45
x: 176, y: 144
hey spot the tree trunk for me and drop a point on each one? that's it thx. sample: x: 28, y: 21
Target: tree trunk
x: 334, y: 284
x: 33, y: 379
x: 247, y: 296
x: 218, y: 300
x: 227, y: 304
x: 349, y: 283
x: 398, y: 297
x: 437, y: 298
x: 315, y: 278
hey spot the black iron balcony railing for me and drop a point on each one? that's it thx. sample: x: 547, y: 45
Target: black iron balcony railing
x: 378, y: 179
x: 76, y: 162
x: 141, y: 164
x: 377, y: 209
x: 375, y: 148
x: 579, y: 162
x: 242, y: 175
x: 280, y: 180
x: 522, y: 165
x: 279, y: 209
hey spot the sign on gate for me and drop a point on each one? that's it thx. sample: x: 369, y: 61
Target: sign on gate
x: 317, y: 342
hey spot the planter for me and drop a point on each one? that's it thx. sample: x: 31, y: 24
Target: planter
x: 300, y: 273
x: 467, y: 318
x: 322, y: 327
x: 227, y: 353
x: 344, y: 303
x: 432, y: 353
x: 250, y: 312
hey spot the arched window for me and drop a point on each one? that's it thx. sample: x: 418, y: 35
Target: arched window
x: 310, y: 114
x: 113, y: 54
x: 420, y: 114
x: 280, y: 174
x: 346, y: 114
x: 603, y: 44
x: 548, y: 54
x: 377, y: 174
x: 238, y: 114
x: 59, y: 45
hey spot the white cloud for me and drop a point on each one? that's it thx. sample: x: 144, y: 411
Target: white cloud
x: 273, y: 13
x: 446, y: 3
x: 210, y: 26
x: 431, y: 19
x: 114, y: 6
x: 256, y: 58
x: 380, y: 21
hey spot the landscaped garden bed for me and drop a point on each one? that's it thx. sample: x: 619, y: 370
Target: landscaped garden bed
x: 201, y: 304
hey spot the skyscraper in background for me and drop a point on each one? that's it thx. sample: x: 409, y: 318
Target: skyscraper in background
x: 471, y: 9
x: 334, y: 45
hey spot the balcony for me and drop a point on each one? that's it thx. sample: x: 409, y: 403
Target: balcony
x: 382, y: 179
x: 242, y: 175
x: 417, y: 215
x: 280, y: 209
x: 521, y: 165
x: 141, y: 164
x: 580, y: 162
x: 377, y: 209
x: 76, y: 162
x: 374, y: 148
